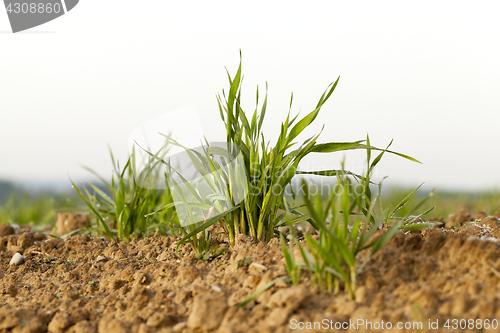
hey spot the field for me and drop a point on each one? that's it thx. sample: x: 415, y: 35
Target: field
x: 89, y: 284
x: 235, y: 249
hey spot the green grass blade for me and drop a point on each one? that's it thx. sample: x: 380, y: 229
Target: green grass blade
x: 205, y: 225
x: 261, y: 290
x: 99, y: 217
x: 102, y: 194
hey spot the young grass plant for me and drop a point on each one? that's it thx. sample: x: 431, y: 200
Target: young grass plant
x: 408, y: 218
x: 204, y: 200
x: 269, y: 170
x: 365, y: 201
x: 331, y: 258
x: 123, y: 215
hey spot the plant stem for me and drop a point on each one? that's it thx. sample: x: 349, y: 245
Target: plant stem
x: 352, y: 288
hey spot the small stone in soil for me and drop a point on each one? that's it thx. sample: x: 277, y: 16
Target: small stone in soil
x: 100, y: 258
x: 179, y: 327
x: 258, y: 266
x: 217, y: 289
x: 17, y: 259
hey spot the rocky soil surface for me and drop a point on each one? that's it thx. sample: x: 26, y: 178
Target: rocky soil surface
x: 88, y: 285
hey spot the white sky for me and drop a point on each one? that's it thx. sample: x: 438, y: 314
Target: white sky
x: 426, y: 74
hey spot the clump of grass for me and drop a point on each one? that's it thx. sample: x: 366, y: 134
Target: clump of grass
x: 122, y: 213
x: 206, y: 200
x: 397, y: 210
x: 268, y: 170
x: 343, y: 234
x: 134, y: 207
x: 346, y: 224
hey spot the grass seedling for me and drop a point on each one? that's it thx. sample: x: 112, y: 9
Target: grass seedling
x: 244, y: 263
x: 144, y: 263
x: 331, y: 257
x: 202, y: 202
x: 212, y: 253
x: 365, y: 201
x: 49, y: 259
x: 268, y: 170
x: 261, y: 290
x: 124, y: 213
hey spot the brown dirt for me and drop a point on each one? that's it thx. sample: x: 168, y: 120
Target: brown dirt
x: 67, y: 222
x: 92, y: 285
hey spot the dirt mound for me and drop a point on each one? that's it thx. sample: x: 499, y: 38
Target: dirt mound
x: 88, y: 284
x: 67, y: 222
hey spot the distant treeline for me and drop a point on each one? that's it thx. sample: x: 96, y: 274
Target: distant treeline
x: 6, y: 188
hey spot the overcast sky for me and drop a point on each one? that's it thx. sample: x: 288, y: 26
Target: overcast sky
x: 426, y: 74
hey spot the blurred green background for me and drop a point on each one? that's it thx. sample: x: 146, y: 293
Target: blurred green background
x: 25, y: 205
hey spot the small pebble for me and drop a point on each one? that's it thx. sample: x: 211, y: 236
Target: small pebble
x: 17, y: 259
x: 217, y: 289
x: 179, y: 327
x: 171, y: 294
x: 258, y: 266
x: 100, y: 258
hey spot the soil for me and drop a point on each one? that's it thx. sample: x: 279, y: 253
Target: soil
x: 67, y: 222
x: 86, y: 284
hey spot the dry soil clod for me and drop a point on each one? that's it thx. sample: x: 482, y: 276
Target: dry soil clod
x: 6, y: 230
x: 458, y: 219
x: 67, y: 222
